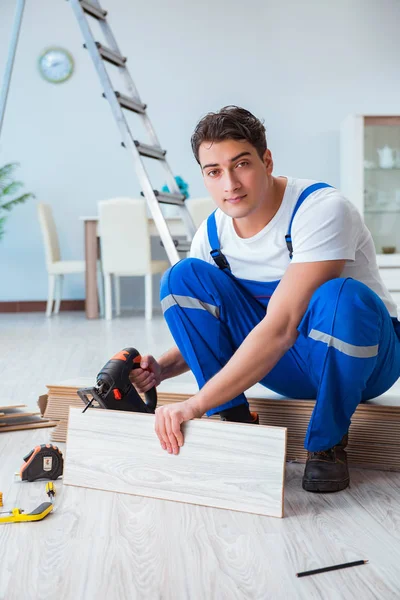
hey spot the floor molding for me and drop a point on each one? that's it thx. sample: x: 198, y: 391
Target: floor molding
x: 24, y: 306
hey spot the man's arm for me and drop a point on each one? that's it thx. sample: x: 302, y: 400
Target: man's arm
x: 271, y: 338
x: 172, y: 363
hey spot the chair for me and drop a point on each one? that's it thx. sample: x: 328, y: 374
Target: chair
x: 57, y: 268
x: 125, y: 249
x: 200, y: 209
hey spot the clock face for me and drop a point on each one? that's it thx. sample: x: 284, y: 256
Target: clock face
x: 56, y: 65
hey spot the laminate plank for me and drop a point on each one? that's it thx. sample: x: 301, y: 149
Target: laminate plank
x: 336, y: 525
x: 20, y: 426
x: 109, y: 546
x: 119, y: 451
x: 18, y: 415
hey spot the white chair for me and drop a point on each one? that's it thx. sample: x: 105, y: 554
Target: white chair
x: 200, y: 209
x: 57, y: 268
x: 125, y: 249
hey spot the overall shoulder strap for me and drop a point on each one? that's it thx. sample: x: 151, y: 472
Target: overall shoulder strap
x: 216, y: 254
x: 304, y: 194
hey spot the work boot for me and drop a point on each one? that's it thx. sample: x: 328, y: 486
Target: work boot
x: 240, y: 414
x: 326, y: 470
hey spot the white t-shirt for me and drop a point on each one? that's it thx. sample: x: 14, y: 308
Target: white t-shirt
x: 327, y: 226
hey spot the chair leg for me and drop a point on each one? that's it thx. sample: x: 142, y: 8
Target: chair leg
x: 108, y: 295
x: 100, y: 288
x: 117, y: 295
x: 50, y: 296
x: 59, y: 287
x: 148, y: 296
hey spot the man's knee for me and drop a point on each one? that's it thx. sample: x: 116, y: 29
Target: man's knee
x: 346, y: 295
x: 182, y: 273
x: 345, y: 302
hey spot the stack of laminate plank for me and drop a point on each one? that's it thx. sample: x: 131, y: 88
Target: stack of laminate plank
x: 12, y: 418
x: 59, y: 398
x: 374, y: 438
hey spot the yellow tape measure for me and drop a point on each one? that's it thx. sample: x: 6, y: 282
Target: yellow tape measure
x: 18, y: 516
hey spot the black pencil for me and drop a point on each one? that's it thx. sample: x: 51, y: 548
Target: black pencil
x: 334, y: 568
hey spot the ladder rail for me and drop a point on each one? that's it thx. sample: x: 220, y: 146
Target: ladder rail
x: 112, y: 42
x: 10, y: 60
x: 124, y: 73
x: 155, y: 209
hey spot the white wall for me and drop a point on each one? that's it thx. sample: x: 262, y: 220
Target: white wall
x: 302, y: 66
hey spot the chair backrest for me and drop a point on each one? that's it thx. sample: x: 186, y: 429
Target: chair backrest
x: 49, y: 233
x: 200, y: 208
x: 124, y: 236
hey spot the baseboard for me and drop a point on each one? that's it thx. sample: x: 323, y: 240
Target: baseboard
x: 23, y: 306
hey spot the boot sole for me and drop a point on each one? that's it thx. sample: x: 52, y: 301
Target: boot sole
x: 325, y: 487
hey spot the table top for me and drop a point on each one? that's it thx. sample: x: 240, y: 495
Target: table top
x: 96, y: 218
x: 175, y: 225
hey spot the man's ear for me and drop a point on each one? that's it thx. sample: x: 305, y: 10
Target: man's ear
x: 267, y: 160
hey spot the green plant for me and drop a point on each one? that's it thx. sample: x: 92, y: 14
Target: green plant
x: 9, y: 190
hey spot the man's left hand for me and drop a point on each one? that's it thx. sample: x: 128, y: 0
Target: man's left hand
x: 169, y: 420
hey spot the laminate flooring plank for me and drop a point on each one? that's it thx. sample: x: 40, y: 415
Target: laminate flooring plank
x: 119, y: 451
x: 334, y: 528
x: 94, y: 542
x: 110, y: 546
x: 379, y: 494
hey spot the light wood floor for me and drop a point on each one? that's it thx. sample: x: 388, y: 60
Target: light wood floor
x: 99, y: 545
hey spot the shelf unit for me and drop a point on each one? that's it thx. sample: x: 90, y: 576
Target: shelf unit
x: 370, y: 178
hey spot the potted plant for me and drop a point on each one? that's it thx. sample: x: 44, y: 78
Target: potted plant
x: 9, y: 190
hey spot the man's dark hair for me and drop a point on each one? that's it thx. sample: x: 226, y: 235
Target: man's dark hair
x: 230, y: 123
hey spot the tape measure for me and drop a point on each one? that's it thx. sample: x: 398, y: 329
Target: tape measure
x: 43, y: 462
x: 17, y: 515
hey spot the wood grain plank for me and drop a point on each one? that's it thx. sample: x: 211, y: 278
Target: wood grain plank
x: 20, y: 426
x: 119, y: 451
x: 18, y: 415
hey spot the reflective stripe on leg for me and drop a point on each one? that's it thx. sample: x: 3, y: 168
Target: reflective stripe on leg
x: 345, y: 347
x: 188, y: 302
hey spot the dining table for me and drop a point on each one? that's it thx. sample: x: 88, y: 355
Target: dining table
x: 92, y: 254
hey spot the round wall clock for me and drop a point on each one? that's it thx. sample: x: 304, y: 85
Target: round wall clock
x: 56, y: 65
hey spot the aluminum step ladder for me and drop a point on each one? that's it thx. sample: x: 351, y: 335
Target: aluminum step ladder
x: 121, y: 102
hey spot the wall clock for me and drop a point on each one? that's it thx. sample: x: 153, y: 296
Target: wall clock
x: 56, y: 65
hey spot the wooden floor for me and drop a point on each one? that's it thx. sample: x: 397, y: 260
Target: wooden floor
x: 101, y: 545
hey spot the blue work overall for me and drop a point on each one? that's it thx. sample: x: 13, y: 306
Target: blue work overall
x: 347, y: 351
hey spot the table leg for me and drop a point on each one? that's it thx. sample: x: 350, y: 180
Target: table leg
x: 91, y: 302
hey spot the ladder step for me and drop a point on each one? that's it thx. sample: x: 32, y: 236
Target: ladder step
x: 94, y: 11
x: 130, y: 103
x: 167, y: 198
x: 110, y: 56
x: 180, y: 245
x: 150, y: 151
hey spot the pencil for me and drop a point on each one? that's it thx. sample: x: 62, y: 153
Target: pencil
x: 334, y: 568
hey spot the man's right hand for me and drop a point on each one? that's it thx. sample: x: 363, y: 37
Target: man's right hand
x: 148, y: 376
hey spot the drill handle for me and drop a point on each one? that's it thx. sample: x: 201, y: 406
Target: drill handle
x: 151, y: 395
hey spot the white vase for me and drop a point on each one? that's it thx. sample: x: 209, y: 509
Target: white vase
x: 386, y: 157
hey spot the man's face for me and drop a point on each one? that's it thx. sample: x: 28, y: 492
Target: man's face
x: 235, y: 176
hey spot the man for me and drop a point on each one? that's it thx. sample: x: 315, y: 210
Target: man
x: 282, y: 288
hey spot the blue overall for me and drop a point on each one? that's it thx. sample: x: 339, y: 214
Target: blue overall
x: 347, y: 351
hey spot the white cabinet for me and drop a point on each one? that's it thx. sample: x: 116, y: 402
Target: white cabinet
x: 370, y: 178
